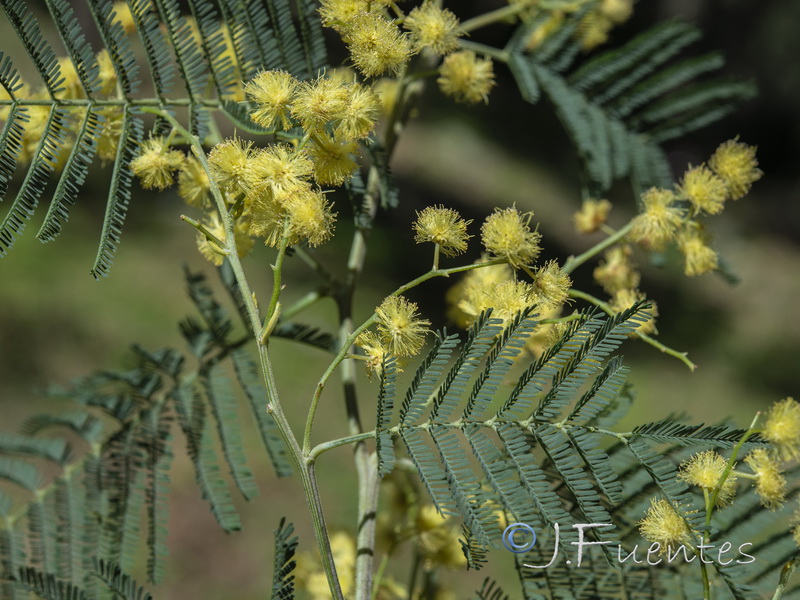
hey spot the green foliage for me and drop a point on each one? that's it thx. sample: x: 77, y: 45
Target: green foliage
x: 622, y: 105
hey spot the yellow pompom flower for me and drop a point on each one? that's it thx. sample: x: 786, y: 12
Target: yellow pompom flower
x: 507, y: 234
x: 591, y: 216
x: 663, y: 524
x: 506, y: 300
x: 736, y: 164
x: 433, y: 27
x: 339, y: 14
x: 401, y: 332
x: 357, y: 120
x: 215, y: 254
x: 333, y: 160
x: 305, y: 216
x: 376, y: 44
x: 551, y: 285
x: 444, y: 227
x: 699, y: 257
x: 624, y: 299
x: 705, y: 470
x: 782, y: 428
x: 705, y: 191
x: 280, y: 168
x: 311, y: 219
x: 770, y: 482
x: 374, y: 350
x: 318, y: 102
x: 193, y: 183
x: 660, y: 220
x: 466, y: 299
x: 466, y: 77
x: 273, y: 92
x: 616, y: 271
x: 156, y: 163
x: 230, y: 164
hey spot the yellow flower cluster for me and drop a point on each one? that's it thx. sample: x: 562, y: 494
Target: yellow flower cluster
x: 730, y: 172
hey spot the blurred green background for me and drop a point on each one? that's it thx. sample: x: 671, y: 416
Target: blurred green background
x: 56, y: 323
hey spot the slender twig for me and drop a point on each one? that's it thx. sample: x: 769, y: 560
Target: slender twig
x: 350, y: 439
x: 574, y: 262
x: 606, y: 308
x: 489, y: 18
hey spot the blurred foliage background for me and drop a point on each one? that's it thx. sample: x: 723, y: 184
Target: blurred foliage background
x: 56, y: 323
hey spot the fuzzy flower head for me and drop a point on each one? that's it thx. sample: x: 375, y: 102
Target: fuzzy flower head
x: 663, y: 524
x: 552, y: 285
x: 770, y: 482
x: 699, y: 257
x: 737, y: 166
x: 659, y: 222
x: 273, y: 92
x: 433, y: 27
x: 193, y: 183
x: 374, y: 350
x: 111, y: 129
x: 319, y: 102
x: 401, y: 332
x: 304, y: 216
x: 211, y: 251
x: 230, y: 164
x: 706, y: 191
x: 442, y: 226
x: 507, y: 234
x: 311, y: 219
x: 782, y: 428
x: 156, y: 164
x: 357, y: 120
x: 705, y: 471
x: 467, y: 299
x: 333, y: 160
x: 466, y: 77
x: 339, y: 14
x: 280, y: 168
x: 376, y: 45
x: 624, y: 299
x: 616, y: 272
x: 591, y: 216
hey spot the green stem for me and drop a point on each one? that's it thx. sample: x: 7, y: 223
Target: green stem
x: 343, y: 350
x: 751, y: 431
x: 303, y: 303
x: 491, y: 17
x: 202, y: 229
x: 606, y: 308
x: 574, y: 262
x: 495, y: 53
x: 306, y: 470
x: 435, y: 266
x: 573, y: 317
x: 786, y: 573
x: 277, y: 270
x: 350, y: 439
